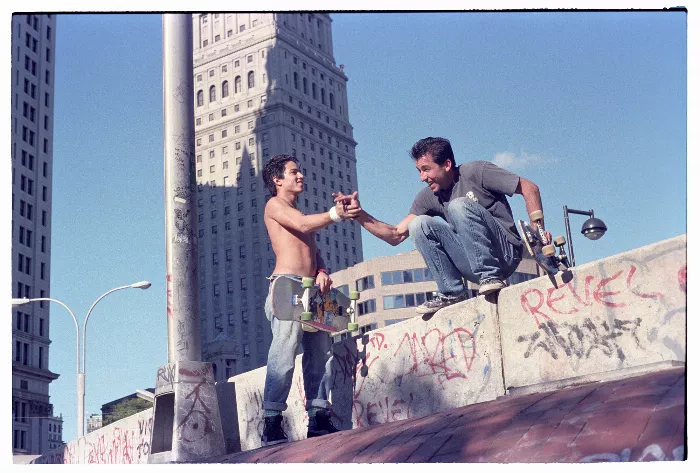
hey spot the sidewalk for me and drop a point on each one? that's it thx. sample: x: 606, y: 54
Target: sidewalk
x: 634, y: 419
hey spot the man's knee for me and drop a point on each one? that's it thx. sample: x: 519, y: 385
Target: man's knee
x: 419, y: 225
x: 462, y: 206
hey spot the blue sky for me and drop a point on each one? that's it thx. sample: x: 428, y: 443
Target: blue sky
x: 589, y: 106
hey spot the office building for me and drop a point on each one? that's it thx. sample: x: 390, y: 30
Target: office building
x: 264, y: 84
x: 32, y: 89
x: 56, y: 432
x: 392, y: 286
x: 94, y: 422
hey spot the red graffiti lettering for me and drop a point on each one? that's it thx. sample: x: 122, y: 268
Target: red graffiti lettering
x: 653, y: 295
x: 682, y: 278
x: 558, y: 302
x: 436, y: 354
x: 598, y: 295
x: 169, y: 292
x: 529, y: 308
x: 551, y: 300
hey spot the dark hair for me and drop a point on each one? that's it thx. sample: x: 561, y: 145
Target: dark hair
x: 439, y: 148
x: 275, y: 168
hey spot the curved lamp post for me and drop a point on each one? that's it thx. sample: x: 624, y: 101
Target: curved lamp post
x: 81, y: 375
x: 593, y: 228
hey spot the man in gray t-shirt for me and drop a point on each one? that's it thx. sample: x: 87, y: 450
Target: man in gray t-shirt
x: 475, y: 238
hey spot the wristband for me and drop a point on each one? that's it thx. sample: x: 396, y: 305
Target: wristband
x: 334, y: 215
x: 321, y: 270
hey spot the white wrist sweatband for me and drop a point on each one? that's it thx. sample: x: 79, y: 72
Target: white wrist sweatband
x: 334, y: 215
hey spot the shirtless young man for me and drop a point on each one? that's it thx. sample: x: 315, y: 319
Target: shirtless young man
x: 293, y: 238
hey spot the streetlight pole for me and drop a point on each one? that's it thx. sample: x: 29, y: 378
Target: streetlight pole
x: 593, y: 228
x: 22, y: 301
x: 81, y: 375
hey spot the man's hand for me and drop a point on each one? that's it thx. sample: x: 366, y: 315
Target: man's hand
x: 347, y: 206
x: 324, y: 282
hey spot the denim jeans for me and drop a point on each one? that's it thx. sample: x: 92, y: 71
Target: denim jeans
x: 473, y: 245
x: 315, y: 362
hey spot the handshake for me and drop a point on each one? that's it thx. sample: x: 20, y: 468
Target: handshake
x: 347, y: 206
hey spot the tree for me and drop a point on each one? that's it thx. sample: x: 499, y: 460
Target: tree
x: 124, y: 409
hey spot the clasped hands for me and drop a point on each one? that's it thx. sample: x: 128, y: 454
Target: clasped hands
x: 347, y: 206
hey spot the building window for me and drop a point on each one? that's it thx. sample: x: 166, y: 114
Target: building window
x: 365, y: 283
x: 251, y: 79
x: 406, y: 276
x: 237, y: 85
x: 212, y: 93
x: 200, y: 98
x: 224, y: 89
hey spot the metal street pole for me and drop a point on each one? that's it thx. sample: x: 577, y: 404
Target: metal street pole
x: 81, y: 385
x: 180, y: 191
x: 81, y: 376
x: 185, y: 383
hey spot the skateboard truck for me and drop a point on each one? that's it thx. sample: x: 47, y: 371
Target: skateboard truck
x: 535, y: 241
x: 352, y: 311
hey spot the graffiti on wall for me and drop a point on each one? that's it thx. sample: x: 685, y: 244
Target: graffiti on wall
x: 581, y: 339
x: 434, y: 356
x: 125, y: 441
x: 616, y: 291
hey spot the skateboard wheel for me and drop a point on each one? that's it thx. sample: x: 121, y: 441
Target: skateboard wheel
x: 548, y: 250
x: 306, y: 316
x: 536, y: 215
x: 307, y: 283
x: 559, y: 241
x: 352, y: 326
x: 354, y: 295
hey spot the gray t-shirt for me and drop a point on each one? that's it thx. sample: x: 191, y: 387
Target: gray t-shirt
x: 484, y: 183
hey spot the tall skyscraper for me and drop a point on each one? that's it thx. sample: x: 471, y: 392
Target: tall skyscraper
x: 33, y: 49
x: 264, y: 84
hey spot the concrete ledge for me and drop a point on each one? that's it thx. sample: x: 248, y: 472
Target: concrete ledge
x: 624, y: 311
x: 610, y: 319
x: 410, y: 369
x: 127, y: 440
x: 595, y: 378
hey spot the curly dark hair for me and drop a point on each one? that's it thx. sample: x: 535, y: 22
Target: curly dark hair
x: 439, y: 148
x: 275, y: 168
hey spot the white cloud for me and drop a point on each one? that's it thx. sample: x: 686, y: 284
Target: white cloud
x: 511, y: 161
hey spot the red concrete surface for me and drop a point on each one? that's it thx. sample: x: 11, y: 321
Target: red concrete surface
x: 634, y: 419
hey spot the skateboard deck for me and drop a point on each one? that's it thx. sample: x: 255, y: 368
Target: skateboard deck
x: 329, y: 312
x: 535, y: 244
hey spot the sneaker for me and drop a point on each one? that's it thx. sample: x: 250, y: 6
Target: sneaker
x: 273, y: 433
x: 490, y: 285
x: 439, y: 301
x: 321, y: 424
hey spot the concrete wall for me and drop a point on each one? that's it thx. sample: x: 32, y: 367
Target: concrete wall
x: 125, y: 441
x: 621, y: 312
x: 406, y: 370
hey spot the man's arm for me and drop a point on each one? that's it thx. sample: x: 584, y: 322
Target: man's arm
x: 533, y: 200
x: 389, y: 233
x: 323, y: 280
x: 293, y: 219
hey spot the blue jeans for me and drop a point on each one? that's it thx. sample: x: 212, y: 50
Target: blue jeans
x: 315, y: 362
x: 473, y: 245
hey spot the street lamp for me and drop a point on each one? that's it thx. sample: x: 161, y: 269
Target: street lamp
x: 593, y: 228
x: 81, y: 379
x: 81, y: 376
x: 22, y: 301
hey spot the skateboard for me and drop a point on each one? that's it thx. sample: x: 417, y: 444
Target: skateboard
x: 303, y: 302
x: 545, y: 255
